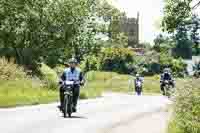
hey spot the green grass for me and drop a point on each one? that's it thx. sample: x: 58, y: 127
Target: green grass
x: 99, y: 82
x: 17, y: 89
x: 186, y: 109
x: 24, y: 92
x: 28, y: 91
x: 151, y: 85
x: 173, y: 128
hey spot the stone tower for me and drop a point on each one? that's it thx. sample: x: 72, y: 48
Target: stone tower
x: 130, y: 26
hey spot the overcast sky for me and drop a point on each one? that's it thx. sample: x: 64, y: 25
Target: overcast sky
x: 151, y: 12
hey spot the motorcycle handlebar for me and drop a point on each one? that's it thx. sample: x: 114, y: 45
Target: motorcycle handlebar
x: 74, y: 83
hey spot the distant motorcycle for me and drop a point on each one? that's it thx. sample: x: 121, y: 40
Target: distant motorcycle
x: 68, y: 87
x: 138, y: 88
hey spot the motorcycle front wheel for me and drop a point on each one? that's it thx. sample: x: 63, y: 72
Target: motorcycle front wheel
x: 66, y: 106
x: 167, y: 91
x: 69, y: 111
x: 138, y: 91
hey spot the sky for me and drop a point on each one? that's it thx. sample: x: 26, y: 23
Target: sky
x: 151, y: 12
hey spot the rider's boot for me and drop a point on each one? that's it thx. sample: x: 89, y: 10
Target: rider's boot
x: 74, y: 108
x: 163, y: 92
x: 162, y: 89
x: 60, y: 107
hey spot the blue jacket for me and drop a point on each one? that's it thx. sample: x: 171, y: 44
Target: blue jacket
x: 69, y: 74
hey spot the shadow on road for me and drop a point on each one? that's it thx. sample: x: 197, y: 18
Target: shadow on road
x: 74, y: 117
x: 78, y: 117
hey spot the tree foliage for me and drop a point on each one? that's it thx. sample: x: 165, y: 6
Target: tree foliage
x: 110, y: 59
x: 175, y: 12
x: 180, y: 21
x: 113, y: 17
x: 194, y: 35
x: 56, y: 29
x: 163, y: 43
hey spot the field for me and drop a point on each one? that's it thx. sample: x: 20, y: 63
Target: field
x: 31, y: 91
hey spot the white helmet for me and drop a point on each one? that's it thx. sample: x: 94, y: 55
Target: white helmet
x: 166, y: 70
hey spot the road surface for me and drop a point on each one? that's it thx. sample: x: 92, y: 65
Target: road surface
x: 113, y: 113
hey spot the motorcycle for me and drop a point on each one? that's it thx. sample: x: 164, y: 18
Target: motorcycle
x: 68, y: 97
x: 138, y: 88
x: 167, y: 88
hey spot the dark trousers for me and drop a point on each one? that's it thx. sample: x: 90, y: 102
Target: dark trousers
x: 170, y: 83
x: 137, y: 89
x: 76, y: 92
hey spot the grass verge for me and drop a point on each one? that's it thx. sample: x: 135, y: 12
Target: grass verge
x: 186, y: 109
x: 99, y: 82
x: 27, y: 91
x: 24, y: 92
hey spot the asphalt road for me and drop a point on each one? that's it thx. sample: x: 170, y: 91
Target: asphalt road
x: 113, y: 113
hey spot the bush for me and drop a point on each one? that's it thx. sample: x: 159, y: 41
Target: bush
x: 59, y: 70
x: 49, y: 76
x: 10, y: 71
x: 177, y: 66
x: 110, y: 59
x: 48, y: 73
x: 18, y: 89
x: 90, y: 62
x: 187, y: 109
x: 149, y: 69
x: 117, y: 59
x: 96, y: 75
x: 153, y: 63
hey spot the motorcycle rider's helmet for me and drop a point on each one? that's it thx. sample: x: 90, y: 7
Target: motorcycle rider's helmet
x: 166, y: 70
x: 137, y: 75
x: 73, y: 60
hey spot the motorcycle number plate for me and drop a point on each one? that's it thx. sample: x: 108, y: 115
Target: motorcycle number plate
x: 69, y: 82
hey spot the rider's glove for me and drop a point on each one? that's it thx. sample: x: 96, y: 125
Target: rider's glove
x: 60, y: 82
x: 82, y: 83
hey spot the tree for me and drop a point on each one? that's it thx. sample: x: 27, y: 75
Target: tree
x: 180, y: 21
x: 163, y: 43
x: 113, y: 17
x: 181, y: 37
x: 175, y: 12
x: 194, y: 35
x: 44, y: 27
x: 159, y: 40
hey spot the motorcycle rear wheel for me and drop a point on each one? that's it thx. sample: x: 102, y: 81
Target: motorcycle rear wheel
x: 138, y: 91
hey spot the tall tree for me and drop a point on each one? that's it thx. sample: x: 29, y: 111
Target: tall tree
x: 113, y: 16
x: 42, y: 26
x: 195, y: 29
x: 175, y: 12
x: 181, y: 22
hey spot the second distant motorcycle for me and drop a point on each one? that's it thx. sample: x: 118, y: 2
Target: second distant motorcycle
x: 138, y: 85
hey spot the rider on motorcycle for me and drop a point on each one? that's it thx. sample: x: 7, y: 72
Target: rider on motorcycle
x: 138, y: 78
x: 72, y: 73
x: 166, y: 75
